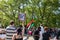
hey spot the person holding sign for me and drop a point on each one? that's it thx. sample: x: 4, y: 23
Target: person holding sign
x: 19, y: 35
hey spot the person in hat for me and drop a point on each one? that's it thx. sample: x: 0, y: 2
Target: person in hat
x: 10, y: 30
x: 46, y: 35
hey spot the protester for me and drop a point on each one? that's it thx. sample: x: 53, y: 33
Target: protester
x: 52, y: 33
x: 19, y: 35
x: 10, y: 30
x: 26, y: 30
x: 2, y: 34
x: 40, y: 35
x: 42, y: 28
x: 46, y: 35
x: 58, y: 35
x: 36, y: 34
x: 41, y: 32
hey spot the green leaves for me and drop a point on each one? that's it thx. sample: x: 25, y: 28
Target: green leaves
x: 41, y: 10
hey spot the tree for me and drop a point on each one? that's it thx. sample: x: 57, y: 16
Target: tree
x: 42, y: 11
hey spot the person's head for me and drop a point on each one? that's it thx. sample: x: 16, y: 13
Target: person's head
x: 39, y: 28
x: 41, y: 24
x: 19, y: 31
x: 12, y: 22
x: 46, y: 28
x: 50, y: 29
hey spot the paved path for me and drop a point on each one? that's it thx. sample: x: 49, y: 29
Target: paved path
x: 30, y: 38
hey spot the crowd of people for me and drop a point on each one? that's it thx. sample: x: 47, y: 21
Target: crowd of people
x: 39, y: 33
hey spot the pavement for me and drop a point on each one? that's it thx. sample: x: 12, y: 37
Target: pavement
x: 30, y: 38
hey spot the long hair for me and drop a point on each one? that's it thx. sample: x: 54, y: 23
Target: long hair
x: 19, y: 31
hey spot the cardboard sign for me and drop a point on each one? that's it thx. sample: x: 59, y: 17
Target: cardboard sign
x: 22, y: 17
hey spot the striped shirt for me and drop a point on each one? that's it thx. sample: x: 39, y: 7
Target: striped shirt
x: 9, y: 32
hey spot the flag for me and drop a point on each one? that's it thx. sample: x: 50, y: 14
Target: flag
x: 31, y: 25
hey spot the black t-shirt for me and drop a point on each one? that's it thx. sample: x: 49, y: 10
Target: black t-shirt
x: 46, y: 36
x: 36, y: 33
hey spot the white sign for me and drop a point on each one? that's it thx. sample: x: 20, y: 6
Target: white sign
x: 22, y: 17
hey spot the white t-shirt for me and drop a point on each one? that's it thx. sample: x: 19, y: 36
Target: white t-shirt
x: 40, y: 36
x: 42, y: 29
x: 2, y: 36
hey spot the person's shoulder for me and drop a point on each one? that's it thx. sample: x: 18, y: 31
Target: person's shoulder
x: 36, y: 31
x: 7, y: 27
x: 47, y: 33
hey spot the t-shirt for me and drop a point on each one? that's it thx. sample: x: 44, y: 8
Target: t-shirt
x: 9, y: 32
x: 40, y: 36
x: 2, y: 36
x: 36, y: 33
x: 46, y: 36
x: 42, y: 29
